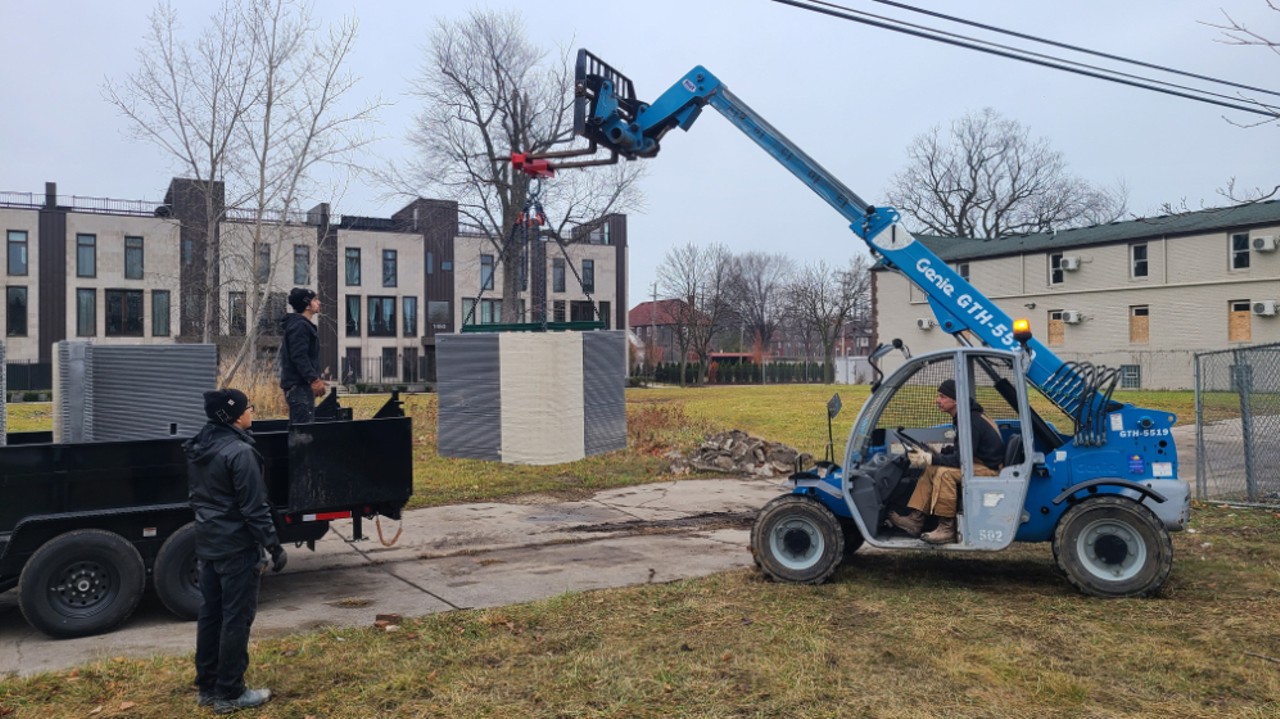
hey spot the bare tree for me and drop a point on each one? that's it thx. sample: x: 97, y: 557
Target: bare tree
x: 250, y: 109
x: 822, y: 299
x: 488, y: 92
x: 990, y: 178
x: 758, y: 295
x: 700, y: 278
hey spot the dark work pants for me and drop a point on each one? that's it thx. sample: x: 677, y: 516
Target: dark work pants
x: 302, y: 404
x: 229, y: 602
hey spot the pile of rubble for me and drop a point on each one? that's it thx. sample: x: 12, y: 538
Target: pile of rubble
x: 737, y: 452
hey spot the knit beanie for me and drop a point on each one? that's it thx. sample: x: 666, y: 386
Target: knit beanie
x: 300, y: 298
x: 947, y: 388
x: 225, y: 405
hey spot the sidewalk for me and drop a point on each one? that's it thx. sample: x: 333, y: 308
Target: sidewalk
x: 455, y: 557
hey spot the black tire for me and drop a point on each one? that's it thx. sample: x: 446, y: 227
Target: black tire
x: 176, y: 574
x: 796, y: 539
x: 81, y: 583
x: 852, y: 537
x: 1111, y: 546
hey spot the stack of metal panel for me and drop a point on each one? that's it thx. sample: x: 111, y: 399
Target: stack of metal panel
x: 531, y: 398
x: 121, y: 392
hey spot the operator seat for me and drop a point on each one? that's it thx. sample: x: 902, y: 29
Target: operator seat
x: 1013, y: 454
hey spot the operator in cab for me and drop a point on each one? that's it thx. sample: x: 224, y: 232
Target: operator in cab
x: 938, y: 487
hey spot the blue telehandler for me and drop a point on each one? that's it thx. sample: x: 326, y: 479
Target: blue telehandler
x: 1105, y: 491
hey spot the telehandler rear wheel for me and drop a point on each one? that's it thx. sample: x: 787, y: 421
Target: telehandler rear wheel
x: 796, y: 539
x: 1111, y: 546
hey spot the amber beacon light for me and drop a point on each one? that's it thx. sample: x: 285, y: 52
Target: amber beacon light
x: 1022, y: 330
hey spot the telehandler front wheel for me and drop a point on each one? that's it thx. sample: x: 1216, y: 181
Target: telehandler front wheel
x: 796, y: 539
x: 1111, y: 546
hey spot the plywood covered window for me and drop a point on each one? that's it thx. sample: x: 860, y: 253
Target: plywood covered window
x: 1240, y: 321
x: 1057, y: 328
x: 1139, y: 324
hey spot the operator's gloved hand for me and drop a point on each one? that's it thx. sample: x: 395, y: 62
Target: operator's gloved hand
x: 318, y: 387
x: 278, y: 558
x: 919, y: 458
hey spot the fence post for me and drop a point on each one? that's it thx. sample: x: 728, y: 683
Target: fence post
x: 1244, y: 385
x: 1202, y: 490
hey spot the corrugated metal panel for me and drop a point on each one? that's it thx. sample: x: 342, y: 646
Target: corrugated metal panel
x: 4, y: 399
x: 147, y: 391
x: 468, y: 382
x: 604, y: 362
x: 69, y: 391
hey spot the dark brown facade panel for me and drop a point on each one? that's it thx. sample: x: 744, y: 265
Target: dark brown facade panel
x: 52, y: 277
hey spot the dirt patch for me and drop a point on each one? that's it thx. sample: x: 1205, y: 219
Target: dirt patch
x: 707, y: 521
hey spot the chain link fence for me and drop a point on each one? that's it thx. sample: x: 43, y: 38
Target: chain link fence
x: 1238, y: 425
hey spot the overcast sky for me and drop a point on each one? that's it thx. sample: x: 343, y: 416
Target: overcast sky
x: 851, y: 96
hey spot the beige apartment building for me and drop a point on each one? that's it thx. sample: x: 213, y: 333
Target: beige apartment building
x: 1143, y: 295
x: 115, y: 271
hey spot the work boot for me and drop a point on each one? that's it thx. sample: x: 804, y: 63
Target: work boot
x: 912, y: 522
x: 206, y: 700
x: 249, y: 699
x: 944, y: 534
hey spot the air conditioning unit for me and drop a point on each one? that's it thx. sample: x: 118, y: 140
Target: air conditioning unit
x: 1265, y: 308
x: 1264, y: 243
x: 1070, y: 263
x: 926, y: 323
x: 1071, y: 317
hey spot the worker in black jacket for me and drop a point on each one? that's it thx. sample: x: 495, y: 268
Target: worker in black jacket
x: 233, y: 526
x: 300, y: 356
x: 938, y: 488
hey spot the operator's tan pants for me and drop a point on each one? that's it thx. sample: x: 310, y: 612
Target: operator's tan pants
x: 938, y: 486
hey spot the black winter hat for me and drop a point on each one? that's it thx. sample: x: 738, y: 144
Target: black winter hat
x: 300, y: 298
x: 225, y: 405
x: 947, y: 388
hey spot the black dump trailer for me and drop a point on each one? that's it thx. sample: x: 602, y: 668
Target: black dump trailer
x: 85, y: 528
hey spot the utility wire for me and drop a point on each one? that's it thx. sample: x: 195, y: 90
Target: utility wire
x: 849, y: 14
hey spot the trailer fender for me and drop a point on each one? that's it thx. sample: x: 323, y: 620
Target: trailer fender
x: 143, y: 527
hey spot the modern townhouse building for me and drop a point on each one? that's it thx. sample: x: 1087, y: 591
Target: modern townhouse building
x: 1142, y: 295
x: 133, y: 272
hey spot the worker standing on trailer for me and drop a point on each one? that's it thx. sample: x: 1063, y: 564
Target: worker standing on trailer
x: 300, y: 356
x: 233, y: 527
x: 938, y: 487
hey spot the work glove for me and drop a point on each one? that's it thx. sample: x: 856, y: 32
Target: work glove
x: 278, y: 558
x: 318, y: 387
x: 919, y: 458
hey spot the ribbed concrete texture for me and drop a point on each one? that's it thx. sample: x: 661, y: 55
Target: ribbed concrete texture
x: 531, y: 398
x: 120, y: 392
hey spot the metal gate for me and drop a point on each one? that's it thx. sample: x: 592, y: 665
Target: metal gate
x: 1238, y: 425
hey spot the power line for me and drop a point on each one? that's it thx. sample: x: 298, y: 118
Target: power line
x: 1026, y: 56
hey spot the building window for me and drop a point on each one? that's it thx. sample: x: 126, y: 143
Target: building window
x: 1055, y: 268
x: 431, y: 263
x: 389, y: 268
x: 962, y: 269
x: 353, y: 315
x: 488, y: 312
x: 16, y: 319
x: 237, y: 315
x: 353, y: 266
x: 17, y: 253
x: 1138, y: 259
x: 438, y: 314
x: 557, y: 275
x: 264, y: 263
x: 557, y: 311
x: 582, y: 311
x: 388, y: 363
x: 1057, y: 329
x: 604, y: 315
x: 1130, y: 376
x: 588, y: 276
x: 1240, y: 251
x: 382, y: 317
x: 301, y: 265
x: 133, y: 258
x: 86, y: 313
x: 160, y: 313
x: 188, y: 251
x: 86, y: 255
x: 446, y: 265
x: 486, y: 272
x: 411, y: 317
x: 124, y: 313
x: 1240, y: 321
x: 1139, y: 324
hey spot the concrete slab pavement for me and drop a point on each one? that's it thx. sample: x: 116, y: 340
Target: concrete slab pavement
x: 454, y: 557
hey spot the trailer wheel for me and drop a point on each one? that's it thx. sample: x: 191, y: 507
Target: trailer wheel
x: 176, y: 574
x: 81, y: 583
x: 1111, y: 546
x: 796, y: 539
